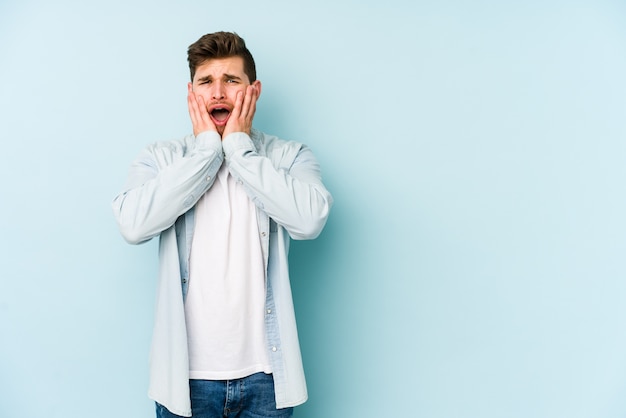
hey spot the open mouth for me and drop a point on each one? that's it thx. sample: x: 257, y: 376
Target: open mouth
x: 220, y: 115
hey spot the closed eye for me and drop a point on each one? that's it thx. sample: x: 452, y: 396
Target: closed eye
x: 205, y: 80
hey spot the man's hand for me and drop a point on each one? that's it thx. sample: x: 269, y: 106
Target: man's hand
x: 240, y: 119
x: 200, y: 118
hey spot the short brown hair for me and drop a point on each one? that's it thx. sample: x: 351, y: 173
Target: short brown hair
x: 220, y: 45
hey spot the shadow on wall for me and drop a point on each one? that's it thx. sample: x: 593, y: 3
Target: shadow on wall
x: 321, y: 280
x: 317, y: 267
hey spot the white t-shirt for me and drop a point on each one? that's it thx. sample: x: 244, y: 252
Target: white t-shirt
x: 225, y: 303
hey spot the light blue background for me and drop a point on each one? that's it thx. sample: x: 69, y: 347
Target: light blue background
x: 473, y: 265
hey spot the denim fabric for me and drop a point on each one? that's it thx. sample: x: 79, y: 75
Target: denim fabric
x: 249, y: 397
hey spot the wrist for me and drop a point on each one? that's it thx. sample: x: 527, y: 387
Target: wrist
x: 237, y: 141
x: 209, y: 139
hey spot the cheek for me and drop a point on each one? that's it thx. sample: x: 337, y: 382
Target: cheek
x: 200, y: 90
x: 236, y: 89
x: 203, y: 92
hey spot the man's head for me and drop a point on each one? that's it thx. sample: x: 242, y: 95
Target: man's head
x: 220, y: 45
x: 222, y: 69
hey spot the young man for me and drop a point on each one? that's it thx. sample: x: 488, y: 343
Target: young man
x: 225, y: 202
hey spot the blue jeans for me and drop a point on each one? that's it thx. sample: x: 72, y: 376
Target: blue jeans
x: 249, y: 397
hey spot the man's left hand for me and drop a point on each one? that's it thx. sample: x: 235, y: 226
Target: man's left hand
x: 240, y: 119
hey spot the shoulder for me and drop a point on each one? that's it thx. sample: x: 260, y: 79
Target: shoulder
x: 279, y: 150
x: 161, y: 153
x: 175, y: 146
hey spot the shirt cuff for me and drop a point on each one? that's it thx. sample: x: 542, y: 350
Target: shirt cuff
x: 237, y: 141
x: 210, y: 140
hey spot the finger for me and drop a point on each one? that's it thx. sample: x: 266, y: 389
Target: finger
x: 253, y: 100
x: 238, y: 105
x: 245, y: 106
x: 195, y: 110
x: 249, y: 106
x: 192, y: 105
x: 203, y: 114
x: 200, y: 118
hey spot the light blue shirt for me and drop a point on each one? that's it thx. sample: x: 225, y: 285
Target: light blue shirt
x: 165, y: 181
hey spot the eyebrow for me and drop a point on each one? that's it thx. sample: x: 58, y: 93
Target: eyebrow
x: 225, y: 77
x: 230, y: 76
x: 205, y: 78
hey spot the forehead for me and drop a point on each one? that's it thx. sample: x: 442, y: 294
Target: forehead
x: 218, y: 67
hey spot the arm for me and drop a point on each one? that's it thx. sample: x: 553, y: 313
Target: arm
x: 163, y: 183
x: 293, y: 196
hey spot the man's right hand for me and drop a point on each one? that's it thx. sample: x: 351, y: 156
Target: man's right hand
x: 200, y: 118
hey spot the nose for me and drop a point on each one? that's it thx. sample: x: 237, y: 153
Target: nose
x: 218, y: 91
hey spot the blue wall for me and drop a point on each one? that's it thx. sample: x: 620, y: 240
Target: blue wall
x: 473, y: 265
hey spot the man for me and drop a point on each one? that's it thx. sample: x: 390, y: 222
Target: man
x: 225, y: 202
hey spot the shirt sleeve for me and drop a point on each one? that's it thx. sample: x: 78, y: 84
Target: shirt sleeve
x: 164, y: 182
x: 292, y: 195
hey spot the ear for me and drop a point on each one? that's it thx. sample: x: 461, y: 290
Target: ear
x: 189, y: 87
x: 257, y: 85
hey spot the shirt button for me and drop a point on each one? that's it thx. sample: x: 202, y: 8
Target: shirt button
x: 263, y: 234
x: 274, y: 349
x: 184, y: 280
x: 269, y: 311
x: 208, y: 178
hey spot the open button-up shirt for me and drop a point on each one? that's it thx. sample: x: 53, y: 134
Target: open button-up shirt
x: 164, y: 183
